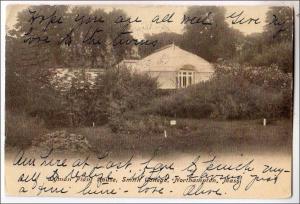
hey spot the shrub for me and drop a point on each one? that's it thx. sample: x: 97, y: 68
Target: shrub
x: 279, y: 54
x: 119, y: 91
x: 234, y: 92
x: 180, y: 104
x: 135, y: 124
x: 114, y: 92
x: 21, y: 130
x: 251, y: 92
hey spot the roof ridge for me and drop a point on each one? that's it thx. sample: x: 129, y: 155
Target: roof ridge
x: 164, y: 47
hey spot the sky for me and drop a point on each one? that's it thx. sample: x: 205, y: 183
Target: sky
x: 147, y: 13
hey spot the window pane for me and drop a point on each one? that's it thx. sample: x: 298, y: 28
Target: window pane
x: 179, y: 81
x: 190, y: 80
x: 184, y: 81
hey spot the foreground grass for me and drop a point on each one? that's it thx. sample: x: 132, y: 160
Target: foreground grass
x: 190, y: 136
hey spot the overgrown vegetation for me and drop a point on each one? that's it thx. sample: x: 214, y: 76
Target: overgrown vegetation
x: 234, y: 92
x: 119, y: 91
x: 252, y: 80
x: 21, y: 130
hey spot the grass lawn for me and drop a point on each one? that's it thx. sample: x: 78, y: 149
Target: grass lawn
x: 192, y: 136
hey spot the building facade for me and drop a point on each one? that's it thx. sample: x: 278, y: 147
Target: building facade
x: 173, y: 67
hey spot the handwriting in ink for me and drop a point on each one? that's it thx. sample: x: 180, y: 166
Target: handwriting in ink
x: 257, y: 178
x: 52, y: 162
x: 48, y: 20
x: 238, y: 18
x: 152, y: 189
x: 128, y: 20
x: 30, y: 38
x: 192, y: 167
x: 272, y: 169
x: 30, y: 178
x: 203, y: 20
x: 91, y: 38
x: 229, y: 167
x: 119, y: 164
x: 279, y: 25
x: 194, y: 190
x: 124, y: 39
x: 156, y: 167
x: 267, y: 169
x: 67, y: 39
x: 88, y: 190
x: 54, y: 176
x: 88, y: 38
x: 81, y: 162
x: 82, y: 19
x: 23, y: 190
x: 52, y: 190
x: 166, y: 19
x: 20, y: 160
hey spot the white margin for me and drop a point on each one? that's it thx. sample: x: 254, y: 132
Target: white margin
x: 295, y: 188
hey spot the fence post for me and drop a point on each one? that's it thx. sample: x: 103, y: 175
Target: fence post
x: 165, y: 133
x: 264, y: 121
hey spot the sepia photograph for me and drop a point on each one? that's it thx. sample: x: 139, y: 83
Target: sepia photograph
x: 149, y: 100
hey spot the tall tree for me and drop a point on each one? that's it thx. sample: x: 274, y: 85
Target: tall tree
x: 275, y: 44
x: 163, y: 39
x: 280, y: 25
x: 33, y: 27
x: 75, y: 36
x: 208, y: 35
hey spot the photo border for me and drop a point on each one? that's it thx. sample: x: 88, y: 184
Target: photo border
x: 295, y: 156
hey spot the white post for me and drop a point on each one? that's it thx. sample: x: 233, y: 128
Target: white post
x: 93, y: 124
x: 265, y: 122
x: 165, y: 133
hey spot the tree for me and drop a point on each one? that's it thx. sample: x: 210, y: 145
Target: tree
x: 31, y: 27
x: 118, y: 30
x: 29, y: 59
x: 78, y: 36
x: 28, y: 86
x: 164, y: 39
x: 278, y: 35
x: 211, y: 38
x: 250, y: 46
x: 280, y: 25
x: 274, y: 45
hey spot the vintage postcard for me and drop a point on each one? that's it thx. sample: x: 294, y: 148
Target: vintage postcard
x: 140, y: 100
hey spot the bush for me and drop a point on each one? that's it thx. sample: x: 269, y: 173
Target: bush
x: 181, y: 104
x: 279, y: 54
x: 251, y: 92
x: 21, y: 130
x: 120, y: 91
x: 114, y: 92
x: 28, y: 90
x: 234, y: 92
x: 135, y: 124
